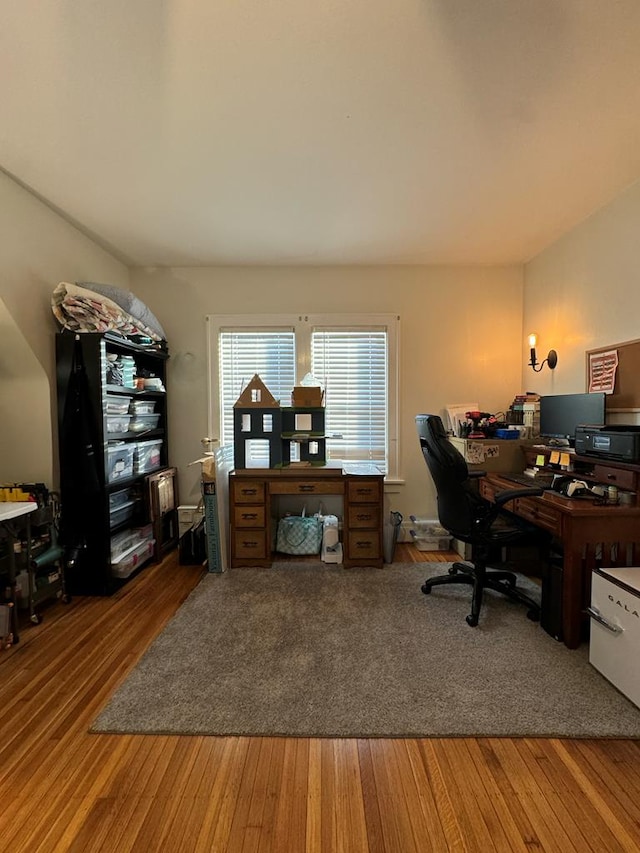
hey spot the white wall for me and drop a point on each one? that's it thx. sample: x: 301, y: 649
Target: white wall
x: 460, y: 339
x: 38, y: 249
x: 582, y: 293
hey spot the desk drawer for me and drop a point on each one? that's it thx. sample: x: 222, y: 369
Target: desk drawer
x: 247, y: 491
x: 249, y: 516
x: 615, y: 477
x: 250, y: 544
x: 363, y: 545
x: 539, y: 514
x: 362, y: 516
x: 363, y: 491
x: 488, y: 490
x: 282, y: 487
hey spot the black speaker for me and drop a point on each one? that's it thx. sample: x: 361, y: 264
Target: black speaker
x: 193, y: 545
x: 551, y: 599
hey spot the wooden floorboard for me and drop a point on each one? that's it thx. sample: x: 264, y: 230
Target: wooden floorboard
x: 63, y: 789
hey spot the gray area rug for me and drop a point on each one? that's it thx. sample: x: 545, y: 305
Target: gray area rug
x: 305, y: 649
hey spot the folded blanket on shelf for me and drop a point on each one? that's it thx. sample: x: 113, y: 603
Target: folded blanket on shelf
x: 81, y: 309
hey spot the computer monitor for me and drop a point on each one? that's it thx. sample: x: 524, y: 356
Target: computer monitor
x: 560, y: 414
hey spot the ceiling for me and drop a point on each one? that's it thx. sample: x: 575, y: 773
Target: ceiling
x: 203, y: 132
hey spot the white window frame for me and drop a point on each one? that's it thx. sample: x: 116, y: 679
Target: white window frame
x: 303, y: 324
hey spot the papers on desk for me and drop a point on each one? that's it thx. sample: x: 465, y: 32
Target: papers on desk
x: 456, y: 413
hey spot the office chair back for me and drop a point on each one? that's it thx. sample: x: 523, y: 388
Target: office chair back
x: 460, y: 507
x: 470, y: 518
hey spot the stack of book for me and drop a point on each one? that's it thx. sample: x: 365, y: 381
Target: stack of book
x: 525, y: 411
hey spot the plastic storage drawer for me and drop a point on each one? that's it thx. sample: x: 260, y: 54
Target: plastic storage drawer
x: 117, y: 405
x: 142, y: 407
x: 126, y: 563
x: 117, y: 499
x: 147, y: 456
x: 119, y: 462
x: 120, y: 514
x: 118, y: 423
x: 143, y: 423
x: 123, y: 542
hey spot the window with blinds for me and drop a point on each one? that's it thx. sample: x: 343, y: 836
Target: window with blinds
x: 243, y: 353
x: 352, y: 365
x: 354, y: 357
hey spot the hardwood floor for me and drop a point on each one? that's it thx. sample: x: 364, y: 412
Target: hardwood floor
x: 63, y: 789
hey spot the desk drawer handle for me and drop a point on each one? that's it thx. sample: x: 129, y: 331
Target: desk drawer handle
x: 249, y: 516
x: 595, y: 614
x: 612, y: 476
x: 307, y: 487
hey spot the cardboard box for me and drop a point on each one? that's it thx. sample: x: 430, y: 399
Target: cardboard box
x: 492, y: 454
x: 307, y: 396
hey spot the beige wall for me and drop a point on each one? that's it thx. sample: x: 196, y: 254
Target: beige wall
x: 38, y: 249
x: 583, y: 292
x: 461, y: 333
x: 460, y: 339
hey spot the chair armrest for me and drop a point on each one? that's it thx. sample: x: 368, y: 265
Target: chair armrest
x: 501, y: 498
x: 475, y: 475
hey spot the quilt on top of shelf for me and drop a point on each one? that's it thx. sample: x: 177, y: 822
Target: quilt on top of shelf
x: 91, y: 307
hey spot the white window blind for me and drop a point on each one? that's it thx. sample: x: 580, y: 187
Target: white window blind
x: 352, y: 364
x: 269, y: 353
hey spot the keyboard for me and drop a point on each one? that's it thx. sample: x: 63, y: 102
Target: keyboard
x: 542, y: 481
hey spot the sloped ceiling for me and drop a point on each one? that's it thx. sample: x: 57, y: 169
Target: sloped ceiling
x: 201, y: 132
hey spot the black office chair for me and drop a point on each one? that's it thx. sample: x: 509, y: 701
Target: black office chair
x: 467, y: 516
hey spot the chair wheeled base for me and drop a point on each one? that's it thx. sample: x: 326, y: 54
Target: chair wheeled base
x: 481, y: 578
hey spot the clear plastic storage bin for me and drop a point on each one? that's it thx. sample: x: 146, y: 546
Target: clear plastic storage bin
x: 127, y: 564
x: 143, y: 423
x: 147, y: 456
x: 119, y: 498
x: 118, y: 423
x: 117, y: 405
x: 119, y: 461
x: 121, y: 514
x: 429, y: 535
x: 142, y: 407
x: 123, y: 542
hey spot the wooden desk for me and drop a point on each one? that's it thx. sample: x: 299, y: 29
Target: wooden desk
x: 253, y: 495
x: 591, y: 536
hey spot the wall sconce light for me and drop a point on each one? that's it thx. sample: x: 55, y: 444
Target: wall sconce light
x: 551, y: 359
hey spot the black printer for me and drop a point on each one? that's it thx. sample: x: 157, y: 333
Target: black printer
x: 621, y: 443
